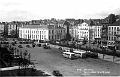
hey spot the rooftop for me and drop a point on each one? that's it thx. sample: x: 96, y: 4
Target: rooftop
x: 117, y: 23
x: 43, y: 26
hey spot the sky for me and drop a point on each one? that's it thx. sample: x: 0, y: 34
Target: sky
x: 23, y: 10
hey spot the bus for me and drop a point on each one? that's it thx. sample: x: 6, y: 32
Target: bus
x: 69, y: 55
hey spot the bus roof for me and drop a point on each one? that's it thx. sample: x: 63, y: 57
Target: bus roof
x: 68, y: 52
x: 79, y: 51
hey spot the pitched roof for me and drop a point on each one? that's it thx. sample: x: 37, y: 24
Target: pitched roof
x: 33, y: 26
x: 43, y: 26
x: 117, y: 23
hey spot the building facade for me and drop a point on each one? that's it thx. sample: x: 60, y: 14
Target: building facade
x: 117, y: 41
x: 74, y: 32
x: 1, y: 28
x: 42, y: 32
x: 97, y: 29
x: 104, y: 34
x: 82, y: 31
x: 12, y: 27
x: 85, y: 30
x: 113, y: 30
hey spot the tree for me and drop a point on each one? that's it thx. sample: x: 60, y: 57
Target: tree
x: 112, y: 18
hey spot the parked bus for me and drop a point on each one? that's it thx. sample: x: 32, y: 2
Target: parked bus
x: 69, y: 55
x: 80, y: 53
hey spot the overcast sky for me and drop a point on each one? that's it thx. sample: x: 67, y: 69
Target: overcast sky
x: 60, y: 9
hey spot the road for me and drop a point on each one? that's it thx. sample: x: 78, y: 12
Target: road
x: 52, y: 59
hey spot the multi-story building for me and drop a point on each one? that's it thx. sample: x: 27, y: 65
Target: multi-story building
x: 117, y: 41
x: 82, y: 31
x: 1, y: 28
x: 74, y: 32
x: 42, y: 32
x: 12, y: 28
x: 5, y: 29
x: 104, y: 34
x: 113, y: 30
x: 97, y: 33
x: 85, y: 30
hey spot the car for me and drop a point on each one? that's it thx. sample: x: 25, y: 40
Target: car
x: 13, y: 43
x: 39, y: 45
x: 92, y: 54
x: 16, y: 56
x: 46, y: 46
x: 27, y: 46
x: 56, y: 73
x: 20, y: 46
x: 60, y: 48
x: 33, y: 45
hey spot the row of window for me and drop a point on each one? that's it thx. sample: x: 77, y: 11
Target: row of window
x: 81, y: 32
x: 12, y: 26
x: 113, y: 28
x: 56, y: 31
x: 41, y: 32
x: 112, y: 38
x: 29, y: 31
x: 113, y: 33
x: 34, y: 36
x: 97, y: 35
x: 83, y: 28
x: 82, y: 35
x: 27, y: 36
x: 55, y: 37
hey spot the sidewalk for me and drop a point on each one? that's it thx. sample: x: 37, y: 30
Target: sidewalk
x: 30, y: 66
x: 44, y: 70
x: 109, y: 58
x: 14, y: 67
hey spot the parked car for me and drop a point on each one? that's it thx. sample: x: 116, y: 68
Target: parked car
x: 60, y: 48
x: 92, y: 54
x: 16, y: 56
x: 56, y: 73
x: 33, y: 45
x: 13, y: 43
x: 39, y: 45
x: 20, y: 46
x: 28, y: 46
x: 46, y: 46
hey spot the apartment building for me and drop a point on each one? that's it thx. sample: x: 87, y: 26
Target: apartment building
x: 42, y: 32
x: 113, y: 30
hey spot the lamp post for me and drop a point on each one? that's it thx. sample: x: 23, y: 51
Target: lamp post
x: 114, y: 51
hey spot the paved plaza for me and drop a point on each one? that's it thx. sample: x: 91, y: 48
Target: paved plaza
x: 52, y: 59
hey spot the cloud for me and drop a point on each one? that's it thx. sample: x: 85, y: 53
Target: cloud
x: 10, y: 4
x: 61, y: 9
x: 7, y: 3
x: 16, y: 15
